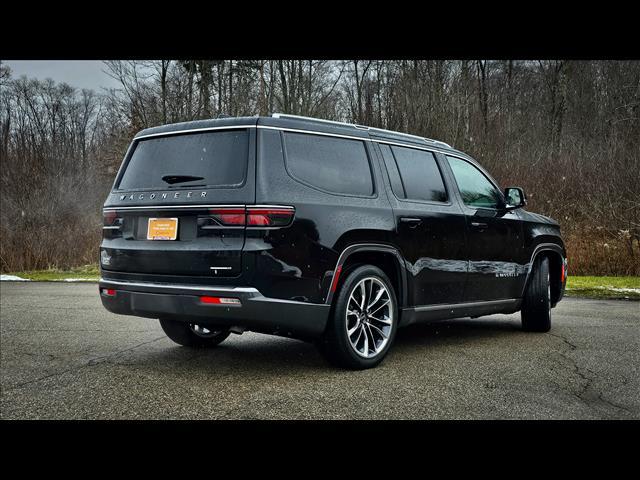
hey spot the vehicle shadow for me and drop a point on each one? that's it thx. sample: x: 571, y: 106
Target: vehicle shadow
x: 282, y: 356
x: 467, y: 329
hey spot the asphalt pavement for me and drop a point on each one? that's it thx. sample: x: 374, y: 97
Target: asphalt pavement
x: 63, y: 356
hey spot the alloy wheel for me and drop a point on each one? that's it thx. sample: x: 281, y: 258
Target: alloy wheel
x: 369, y: 317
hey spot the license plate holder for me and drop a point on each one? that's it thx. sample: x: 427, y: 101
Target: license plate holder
x: 162, y: 229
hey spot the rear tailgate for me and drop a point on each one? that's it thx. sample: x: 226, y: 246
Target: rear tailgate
x: 176, y: 205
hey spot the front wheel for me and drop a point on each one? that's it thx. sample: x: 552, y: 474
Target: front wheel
x: 536, y: 307
x: 193, y: 335
x: 363, y: 322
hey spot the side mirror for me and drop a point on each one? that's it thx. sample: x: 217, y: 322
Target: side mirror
x: 515, y: 198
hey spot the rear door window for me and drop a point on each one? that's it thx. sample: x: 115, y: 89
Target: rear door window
x: 414, y: 174
x: 207, y: 159
x: 333, y: 164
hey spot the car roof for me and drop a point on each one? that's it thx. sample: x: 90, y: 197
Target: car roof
x: 296, y: 122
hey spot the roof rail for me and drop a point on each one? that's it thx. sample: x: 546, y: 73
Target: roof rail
x: 384, y: 130
x: 359, y: 127
x: 438, y: 142
x: 320, y: 120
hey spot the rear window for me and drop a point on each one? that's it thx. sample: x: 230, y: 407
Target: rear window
x: 211, y: 159
x: 414, y: 174
x: 337, y: 165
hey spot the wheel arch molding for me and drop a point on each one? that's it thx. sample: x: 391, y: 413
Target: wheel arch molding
x: 556, y: 251
x: 378, y: 254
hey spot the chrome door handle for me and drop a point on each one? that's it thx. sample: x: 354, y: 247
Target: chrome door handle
x: 479, y: 225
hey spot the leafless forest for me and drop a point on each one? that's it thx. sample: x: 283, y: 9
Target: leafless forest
x: 568, y: 132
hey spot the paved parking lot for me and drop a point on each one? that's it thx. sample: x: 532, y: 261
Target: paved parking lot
x: 64, y: 357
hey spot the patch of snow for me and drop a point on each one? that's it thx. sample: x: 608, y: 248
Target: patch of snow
x: 616, y: 289
x: 79, y: 280
x: 13, y: 278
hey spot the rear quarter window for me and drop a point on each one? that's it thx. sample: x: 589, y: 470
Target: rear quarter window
x: 332, y: 164
x: 219, y: 158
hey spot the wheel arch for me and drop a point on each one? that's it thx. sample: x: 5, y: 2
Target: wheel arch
x: 556, y: 255
x: 386, y: 257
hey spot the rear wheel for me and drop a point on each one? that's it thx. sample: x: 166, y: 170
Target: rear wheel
x: 536, y: 307
x: 193, y: 335
x: 363, y: 322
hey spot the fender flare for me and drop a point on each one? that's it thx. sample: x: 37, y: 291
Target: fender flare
x: 543, y: 247
x: 369, y: 247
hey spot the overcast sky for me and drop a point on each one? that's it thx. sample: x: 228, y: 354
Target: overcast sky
x: 77, y: 73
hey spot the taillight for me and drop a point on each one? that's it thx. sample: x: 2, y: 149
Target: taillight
x: 228, y: 216
x: 109, y: 217
x: 269, y: 216
x: 108, y: 292
x: 111, y: 220
x: 255, y: 217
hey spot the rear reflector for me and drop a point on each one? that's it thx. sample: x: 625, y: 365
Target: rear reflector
x: 336, y: 276
x: 220, y: 300
x: 109, y: 292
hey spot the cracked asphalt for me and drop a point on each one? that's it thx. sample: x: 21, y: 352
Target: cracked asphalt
x: 64, y: 357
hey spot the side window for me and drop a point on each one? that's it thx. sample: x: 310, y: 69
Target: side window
x: 414, y: 174
x: 392, y: 168
x: 337, y: 165
x: 476, y: 189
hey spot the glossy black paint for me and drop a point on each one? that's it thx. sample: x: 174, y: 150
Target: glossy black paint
x: 442, y: 253
x: 432, y: 239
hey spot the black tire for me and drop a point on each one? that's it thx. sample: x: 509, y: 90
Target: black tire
x: 536, y: 306
x: 184, y: 334
x: 336, y: 345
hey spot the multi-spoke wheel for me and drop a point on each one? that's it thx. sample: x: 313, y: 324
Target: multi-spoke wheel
x: 536, y: 304
x: 368, y: 317
x: 364, y: 319
x: 191, y: 334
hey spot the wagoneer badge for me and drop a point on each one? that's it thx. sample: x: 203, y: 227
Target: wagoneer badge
x: 161, y: 196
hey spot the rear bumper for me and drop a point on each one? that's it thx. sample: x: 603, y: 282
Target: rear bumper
x: 182, y: 302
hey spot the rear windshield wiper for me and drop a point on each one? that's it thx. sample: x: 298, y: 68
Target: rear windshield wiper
x: 171, y: 179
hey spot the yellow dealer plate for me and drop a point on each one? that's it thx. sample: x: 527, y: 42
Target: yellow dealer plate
x: 162, y: 229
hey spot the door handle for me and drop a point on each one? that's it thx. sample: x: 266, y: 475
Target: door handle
x: 479, y: 225
x: 412, y: 222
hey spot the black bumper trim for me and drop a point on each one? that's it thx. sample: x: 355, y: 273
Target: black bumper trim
x: 181, y: 302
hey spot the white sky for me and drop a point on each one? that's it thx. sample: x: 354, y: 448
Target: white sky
x: 77, y: 73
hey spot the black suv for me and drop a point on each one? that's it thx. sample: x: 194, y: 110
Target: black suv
x: 318, y: 230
